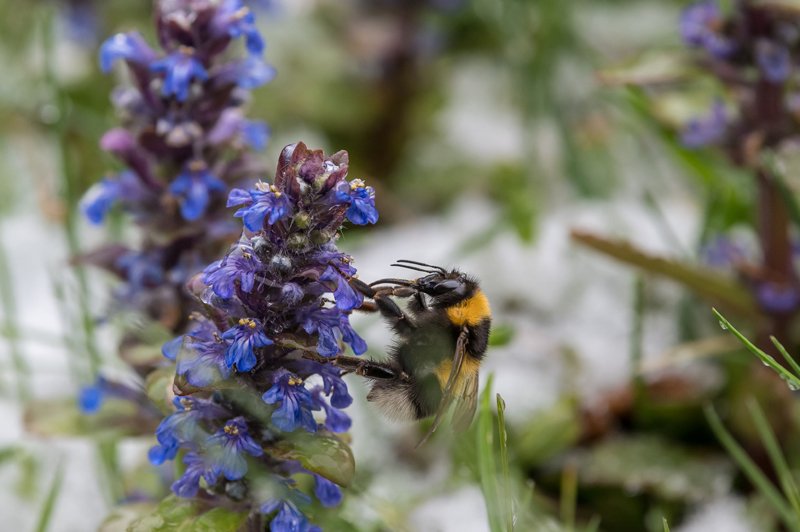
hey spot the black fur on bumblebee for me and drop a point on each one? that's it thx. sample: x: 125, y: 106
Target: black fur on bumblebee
x: 441, y: 338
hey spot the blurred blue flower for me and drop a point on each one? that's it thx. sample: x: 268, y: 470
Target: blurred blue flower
x: 196, y: 468
x: 778, y: 298
x: 179, y: 69
x: 288, y: 518
x: 328, y: 493
x: 194, y: 187
x: 701, y: 26
x: 773, y: 60
x: 90, y: 398
x: 128, y: 46
x: 706, y: 130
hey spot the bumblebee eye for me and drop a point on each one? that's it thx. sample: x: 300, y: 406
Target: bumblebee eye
x: 446, y: 286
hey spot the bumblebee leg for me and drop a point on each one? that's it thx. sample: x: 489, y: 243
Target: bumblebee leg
x: 399, y: 320
x: 369, y: 368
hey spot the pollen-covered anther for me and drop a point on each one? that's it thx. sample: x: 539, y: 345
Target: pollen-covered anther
x: 295, y: 381
x: 275, y: 191
x: 186, y: 404
x: 231, y: 429
x: 247, y: 322
x: 357, y: 183
x: 186, y: 50
x: 197, y: 165
x: 241, y: 13
x: 262, y: 186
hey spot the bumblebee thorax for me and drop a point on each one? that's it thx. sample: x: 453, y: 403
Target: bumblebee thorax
x: 470, y: 311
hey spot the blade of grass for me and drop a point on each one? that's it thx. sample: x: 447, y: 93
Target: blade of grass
x: 46, y: 513
x: 10, y: 325
x: 789, y: 358
x: 569, y: 495
x: 666, y: 525
x: 487, y: 464
x: 503, y: 442
x: 751, y: 470
x: 788, y: 483
x: 792, y: 380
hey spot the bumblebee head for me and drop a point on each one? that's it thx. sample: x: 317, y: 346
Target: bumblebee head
x: 446, y: 288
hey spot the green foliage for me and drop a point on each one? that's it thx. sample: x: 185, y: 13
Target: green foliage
x: 323, y: 454
x: 46, y: 512
x: 175, y: 514
x: 493, y: 475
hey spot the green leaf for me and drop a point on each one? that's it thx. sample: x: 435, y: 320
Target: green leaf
x: 175, y: 514
x: 158, y: 387
x: 46, y: 513
x: 220, y: 520
x: 320, y: 453
x: 501, y: 334
x: 702, y: 281
x: 122, y: 517
x: 62, y: 417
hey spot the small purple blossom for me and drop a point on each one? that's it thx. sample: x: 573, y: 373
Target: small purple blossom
x: 328, y: 493
x: 196, y: 468
x: 361, y: 201
x: 99, y: 199
x: 346, y: 298
x: 90, y: 399
x: 202, y: 361
x: 179, y: 70
x: 244, y: 338
x: 777, y: 298
x: 774, y: 61
x: 268, y: 204
x: 223, y: 274
x: 228, y: 446
x: 331, y: 325
x: 295, y: 403
x: 288, y: 518
x: 705, y: 130
x: 128, y: 46
x: 701, y: 25
x: 194, y: 187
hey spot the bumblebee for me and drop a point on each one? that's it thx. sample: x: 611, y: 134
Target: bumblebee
x: 441, y: 340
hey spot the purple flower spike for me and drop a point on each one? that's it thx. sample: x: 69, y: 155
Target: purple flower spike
x: 223, y: 274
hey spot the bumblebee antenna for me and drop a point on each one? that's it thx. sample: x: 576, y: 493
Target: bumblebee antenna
x: 438, y: 268
x: 401, y: 282
x: 414, y: 268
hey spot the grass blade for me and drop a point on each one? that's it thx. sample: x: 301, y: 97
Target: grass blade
x: 503, y: 442
x: 792, y: 380
x: 46, y: 513
x: 487, y: 465
x: 666, y: 525
x: 785, y: 354
x: 751, y: 470
x: 776, y: 455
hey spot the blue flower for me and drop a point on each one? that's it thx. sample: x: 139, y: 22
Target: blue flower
x: 241, y: 266
x: 202, y: 362
x: 295, y: 403
x: 171, y: 349
x: 256, y: 134
x: 128, y: 46
x: 99, y: 199
x: 182, y: 427
x: 706, y: 130
x: 700, y: 27
x: 179, y: 69
x: 251, y: 73
x: 260, y: 204
x: 774, y: 61
x: 328, y: 493
x: 237, y: 20
x: 244, y: 338
x: 335, y: 419
x: 196, y: 467
x: 227, y: 447
x: 193, y: 186
x: 361, y: 199
x: 778, y: 298
x: 91, y: 398
x: 346, y: 298
x: 333, y: 385
x: 288, y: 518
x: 141, y: 269
x: 330, y: 324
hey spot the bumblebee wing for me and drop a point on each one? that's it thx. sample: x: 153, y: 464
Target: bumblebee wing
x: 449, y: 396
x: 467, y: 401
